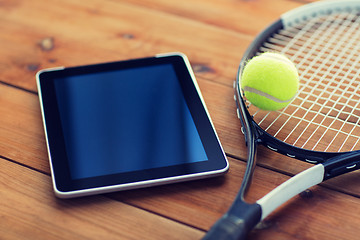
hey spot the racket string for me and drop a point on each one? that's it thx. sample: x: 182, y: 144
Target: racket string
x: 329, y: 99
x: 292, y: 41
x: 296, y: 54
x: 329, y: 110
x: 333, y: 120
x: 327, y: 56
x: 313, y: 49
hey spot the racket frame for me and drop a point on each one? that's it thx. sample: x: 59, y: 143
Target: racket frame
x: 242, y: 216
x: 329, y: 164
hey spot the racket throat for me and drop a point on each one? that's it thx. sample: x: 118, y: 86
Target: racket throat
x: 250, y: 164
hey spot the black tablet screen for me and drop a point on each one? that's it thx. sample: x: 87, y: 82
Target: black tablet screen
x: 126, y: 120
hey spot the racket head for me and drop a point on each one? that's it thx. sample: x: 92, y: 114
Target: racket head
x: 334, y: 162
x: 323, y: 121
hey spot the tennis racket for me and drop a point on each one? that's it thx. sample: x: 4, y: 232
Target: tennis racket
x: 321, y: 125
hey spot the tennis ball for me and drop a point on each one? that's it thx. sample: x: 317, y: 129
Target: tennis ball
x: 270, y: 81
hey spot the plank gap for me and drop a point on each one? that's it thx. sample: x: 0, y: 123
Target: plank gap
x: 18, y: 87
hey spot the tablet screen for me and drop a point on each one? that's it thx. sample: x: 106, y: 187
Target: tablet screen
x: 128, y: 124
x: 126, y: 120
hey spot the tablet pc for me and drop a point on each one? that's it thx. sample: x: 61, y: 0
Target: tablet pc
x: 128, y: 124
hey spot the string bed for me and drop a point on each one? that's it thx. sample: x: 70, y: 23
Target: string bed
x: 325, y: 114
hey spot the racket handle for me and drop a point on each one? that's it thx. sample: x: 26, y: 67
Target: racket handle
x: 235, y: 226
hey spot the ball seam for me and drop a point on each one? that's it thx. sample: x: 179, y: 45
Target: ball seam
x: 266, y: 95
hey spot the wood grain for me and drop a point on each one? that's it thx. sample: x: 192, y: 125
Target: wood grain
x: 181, y: 202
x: 228, y: 14
x: 214, y: 34
x: 28, y: 211
x: 108, y: 32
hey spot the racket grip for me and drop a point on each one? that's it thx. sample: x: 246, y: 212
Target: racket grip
x: 235, y: 226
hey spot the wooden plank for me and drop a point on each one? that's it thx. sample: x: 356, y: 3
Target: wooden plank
x: 30, y: 192
x: 21, y: 131
x: 182, y: 202
x: 29, y: 210
x: 214, y: 39
x: 103, y: 31
x: 249, y: 17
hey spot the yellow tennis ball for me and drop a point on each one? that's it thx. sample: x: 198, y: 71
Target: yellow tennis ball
x: 270, y: 81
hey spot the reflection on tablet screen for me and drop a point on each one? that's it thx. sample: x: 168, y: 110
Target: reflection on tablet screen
x: 126, y: 120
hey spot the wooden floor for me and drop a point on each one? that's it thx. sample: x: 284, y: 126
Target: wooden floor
x: 213, y: 34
